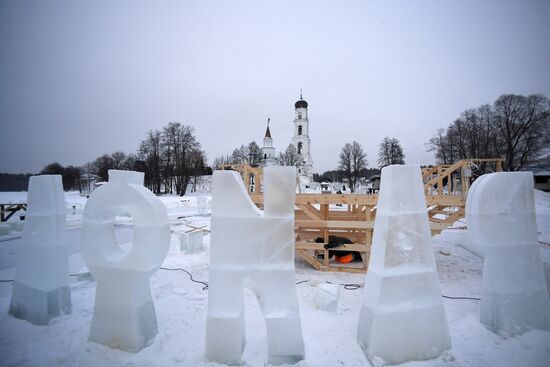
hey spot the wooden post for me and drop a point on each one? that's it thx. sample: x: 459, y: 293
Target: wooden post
x: 325, y: 208
x: 440, y: 180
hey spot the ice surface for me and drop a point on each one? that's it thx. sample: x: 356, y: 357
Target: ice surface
x: 124, y: 313
x: 41, y: 289
x: 502, y: 221
x: 254, y: 249
x: 202, y: 205
x: 402, y: 317
x: 5, y: 228
x: 326, y: 297
x: 474, y: 231
x: 191, y: 241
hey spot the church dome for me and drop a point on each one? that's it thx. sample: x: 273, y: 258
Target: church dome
x: 300, y: 103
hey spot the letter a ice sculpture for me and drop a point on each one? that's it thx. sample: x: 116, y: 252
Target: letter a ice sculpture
x: 255, y: 249
x: 402, y: 317
x: 514, y: 296
x: 41, y: 290
x: 124, y: 313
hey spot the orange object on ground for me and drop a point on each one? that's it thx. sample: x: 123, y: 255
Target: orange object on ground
x: 344, y: 259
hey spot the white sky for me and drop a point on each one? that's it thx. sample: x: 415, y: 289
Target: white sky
x: 79, y: 79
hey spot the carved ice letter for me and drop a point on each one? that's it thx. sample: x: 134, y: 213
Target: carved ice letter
x: 124, y: 313
x: 402, y: 316
x: 41, y: 290
x: 514, y: 296
x: 254, y: 249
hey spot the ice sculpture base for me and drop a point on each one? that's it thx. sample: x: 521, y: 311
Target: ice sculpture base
x: 225, y: 324
x: 516, y: 300
x: 398, y: 316
x: 379, y: 335
x: 38, y: 306
x: 124, y: 316
x: 41, y: 289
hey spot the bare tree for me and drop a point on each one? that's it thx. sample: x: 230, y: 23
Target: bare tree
x: 149, y: 152
x: 254, y: 154
x: 352, y: 161
x: 289, y: 157
x: 515, y: 128
x: 102, y: 165
x: 118, y: 160
x: 390, y: 152
x: 523, y: 127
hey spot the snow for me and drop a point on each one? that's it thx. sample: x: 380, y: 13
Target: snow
x: 330, y: 338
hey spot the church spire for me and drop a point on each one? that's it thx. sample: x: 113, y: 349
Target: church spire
x: 267, y: 131
x: 301, y: 93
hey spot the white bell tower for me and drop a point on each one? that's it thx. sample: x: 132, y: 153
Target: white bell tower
x: 302, y: 142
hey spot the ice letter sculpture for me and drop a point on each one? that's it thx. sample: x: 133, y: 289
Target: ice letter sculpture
x: 474, y: 235
x: 124, y: 313
x: 41, y: 290
x: 253, y: 249
x: 514, y: 295
x: 402, y: 317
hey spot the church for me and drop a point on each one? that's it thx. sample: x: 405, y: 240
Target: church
x: 300, y: 141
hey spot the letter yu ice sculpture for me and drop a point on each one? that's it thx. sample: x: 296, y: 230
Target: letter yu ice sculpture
x: 253, y: 249
x: 514, y: 296
x: 124, y: 313
x: 402, y: 317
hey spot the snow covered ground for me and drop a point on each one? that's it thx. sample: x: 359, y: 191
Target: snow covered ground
x: 330, y: 338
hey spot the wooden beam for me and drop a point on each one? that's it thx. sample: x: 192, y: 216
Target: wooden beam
x: 310, y: 210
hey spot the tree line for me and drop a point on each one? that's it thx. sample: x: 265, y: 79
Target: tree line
x: 515, y: 128
x: 171, y: 159
x: 352, y: 162
x: 251, y: 154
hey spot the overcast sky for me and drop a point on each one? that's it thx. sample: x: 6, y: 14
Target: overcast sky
x: 79, y: 79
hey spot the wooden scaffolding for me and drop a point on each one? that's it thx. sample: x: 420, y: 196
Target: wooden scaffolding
x: 319, y: 216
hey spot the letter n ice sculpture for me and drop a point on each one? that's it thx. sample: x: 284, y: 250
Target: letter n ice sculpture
x: 402, y: 317
x: 257, y: 249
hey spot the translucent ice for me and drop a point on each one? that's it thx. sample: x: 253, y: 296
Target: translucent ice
x: 191, y: 241
x: 124, y: 313
x: 502, y: 221
x: 254, y: 249
x: 202, y: 206
x: 473, y: 239
x: 41, y: 289
x: 402, y: 316
x: 5, y: 228
x: 326, y: 297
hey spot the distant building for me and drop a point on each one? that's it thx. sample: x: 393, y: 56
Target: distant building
x: 541, y: 177
x: 302, y: 142
x: 268, y: 151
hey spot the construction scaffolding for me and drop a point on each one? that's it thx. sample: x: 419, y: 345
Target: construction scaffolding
x: 351, y: 216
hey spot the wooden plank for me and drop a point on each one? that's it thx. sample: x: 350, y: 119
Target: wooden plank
x: 310, y: 210
x: 308, y: 258
x: 334, y: 224
x: 360, y: 247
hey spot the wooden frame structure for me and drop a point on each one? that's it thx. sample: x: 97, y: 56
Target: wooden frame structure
x: 7, y: 210
x: 318, y: 216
